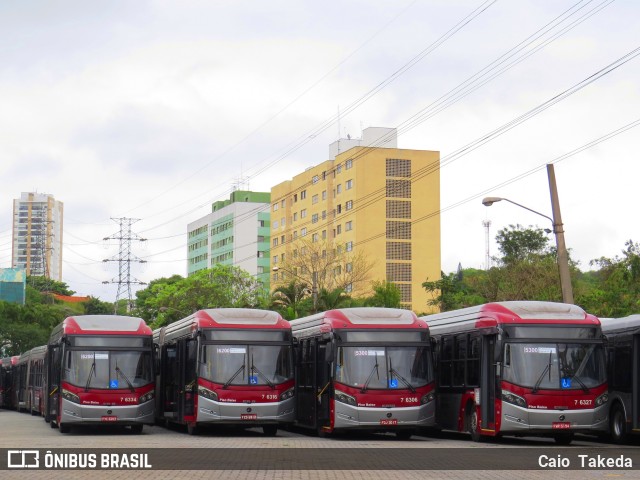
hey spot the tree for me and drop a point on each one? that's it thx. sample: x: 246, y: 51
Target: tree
x: 95, y: 306
x: 330, y: 299
x: 217, y: 287
x: 48, y: 285
x: 289, y: 299
x: 325, y: 266
x: 456, y: 290
x: 385, y: 294
x: 614, y: 289
x: 517, y: 243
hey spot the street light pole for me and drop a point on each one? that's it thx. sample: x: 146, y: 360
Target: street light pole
x: 558, y: 230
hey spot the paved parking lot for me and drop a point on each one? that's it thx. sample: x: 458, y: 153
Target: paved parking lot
x: 21, y: 431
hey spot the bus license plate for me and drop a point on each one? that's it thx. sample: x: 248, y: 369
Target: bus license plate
x: 561, y: 425
x: 389, y: 421
x: 248, y: 416
x: 109, y: 418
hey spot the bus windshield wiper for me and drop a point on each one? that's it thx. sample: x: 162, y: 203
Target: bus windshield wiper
x: 374, y: 369
x: 255, y: 369
x: 241, y: 369
x: 91, y: 373
x: 118, y: 371
x: 393, y: 371
x: 547, y: 368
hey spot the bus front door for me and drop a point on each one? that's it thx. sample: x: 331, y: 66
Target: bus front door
x: 52, y: 383
x: 488, y: 383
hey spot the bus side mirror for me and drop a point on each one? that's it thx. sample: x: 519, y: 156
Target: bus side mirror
x: 497, y: 351
x: 329, y: 352
x: 156, y: 358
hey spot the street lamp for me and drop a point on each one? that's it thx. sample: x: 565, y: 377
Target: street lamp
x: 556, y: 221
x: 314, y: 287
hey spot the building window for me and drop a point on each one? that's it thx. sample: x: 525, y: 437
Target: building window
x: 275, y: 207
x: 283, y: 222
x: 348, y: 288
x: 339, y: 188
x: 282, y: 239
x: 303, y: 213
x: 314, y: 199
x: 260, y: 269
x: 324, y: 234
x: 261, y: 254
x: 275, y: 259
x: 348, y: 164
x: 339, y: 229
x: 303, y: 232
x: 348, y: 226
x: 303, y: 194
x: 295, y: 197
x: 314, y: 218
x: 348, y: 267
x: 275, y: 242
x: 348, y: 246
x: 324, y: 214
x: 295, y: 234
x: 348, y: 205
x: 260, y: 238
x: 275, y: 224
x: 295, y: 216
x: 348, y: 185
x: 262, y: 223
x: 315, y: 179
x: 339, y: 168
x: 314, y: 237
x: 324, y: 195
x: 339, y: 208
x: 275, y: 277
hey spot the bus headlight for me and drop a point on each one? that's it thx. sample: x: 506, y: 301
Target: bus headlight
x: 602, y: 399
x: 286, y: 395
x: 513, y: 398
x: 344, y: 398
x: 206, y: 393
x: 72, y: 397
x: 429, y: 397
x: 146, y: 397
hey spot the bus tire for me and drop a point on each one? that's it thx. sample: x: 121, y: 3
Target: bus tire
x: 270, y: 430
x: 136, y: 429
x: 617, y: 424
x: 563, y: 438
x: 52, y: 424
x: 63, y: 428
x: 192, y: 428
x: 404, y: 434
x: 472, y: 423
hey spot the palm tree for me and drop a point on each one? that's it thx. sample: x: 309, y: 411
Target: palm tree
x: 330, y: 299
x: 289, y: 299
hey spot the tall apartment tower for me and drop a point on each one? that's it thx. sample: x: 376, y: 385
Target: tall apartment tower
x: 37, y: 235
x: 236, y: 232
x: 370, y: 198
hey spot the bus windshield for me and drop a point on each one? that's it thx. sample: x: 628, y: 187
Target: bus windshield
x: 246, y: 364
x: 556, y: 366
x: 106, y: 369
x: 384, y: 367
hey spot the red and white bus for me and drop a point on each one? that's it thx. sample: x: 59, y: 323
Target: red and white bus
x: 623, y: 355
x: 29, y: 381
x: 7, y: 371
x: 364, y: 369
x: 226, y: 366
x: 520, y: 368
x: 100, y: 371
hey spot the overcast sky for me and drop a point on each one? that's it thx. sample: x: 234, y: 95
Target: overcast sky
x: 152, y: 109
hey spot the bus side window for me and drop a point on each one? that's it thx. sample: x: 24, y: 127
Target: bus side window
x: 507, y: 355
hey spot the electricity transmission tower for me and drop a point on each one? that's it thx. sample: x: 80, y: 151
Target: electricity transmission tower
x: 125, y: 258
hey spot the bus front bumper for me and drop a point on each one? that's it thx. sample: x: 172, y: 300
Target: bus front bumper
x: 102, y: 414
x: 516, y: 419
x: 210, y: 411
x: 348, y: 416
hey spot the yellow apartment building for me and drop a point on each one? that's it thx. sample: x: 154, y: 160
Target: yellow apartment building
x: 372, y: 204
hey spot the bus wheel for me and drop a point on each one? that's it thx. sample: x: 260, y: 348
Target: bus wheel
x: 52, y: 424
x: 192, y: 428
x: 472, y: 424
x: 270, y: 430
x: 403, y: 434
x: 136, y: 429
x: 63, y: 428
x: 564, y: 438
x: 617, y: 424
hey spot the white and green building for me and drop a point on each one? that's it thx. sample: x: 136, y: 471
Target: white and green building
x: 236, y: 232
